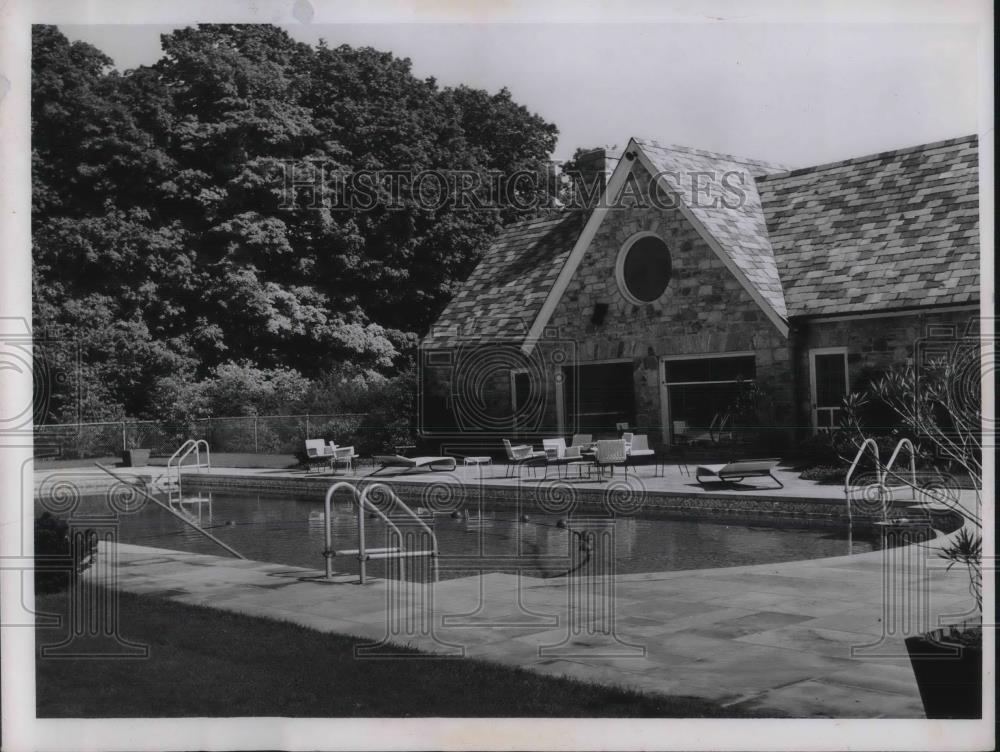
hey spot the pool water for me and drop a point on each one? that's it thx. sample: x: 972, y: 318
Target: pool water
x: 290, y: 531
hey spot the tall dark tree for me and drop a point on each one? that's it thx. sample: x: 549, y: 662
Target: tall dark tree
x: 166, y: 243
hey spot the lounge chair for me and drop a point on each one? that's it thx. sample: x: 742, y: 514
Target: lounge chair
x: 557, y: 455
x: 737, y: 471
x: 610, y: 453
x: 582, y: 440
x: 318, y: 454
x: 522, y: 456
x: 434, y: 464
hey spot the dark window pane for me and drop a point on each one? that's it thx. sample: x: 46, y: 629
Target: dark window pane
x: 647, y: 269
x: 740, y: 368
x: 831, y: 380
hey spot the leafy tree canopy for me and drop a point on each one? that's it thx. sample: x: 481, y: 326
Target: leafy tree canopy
x: 166, y: 246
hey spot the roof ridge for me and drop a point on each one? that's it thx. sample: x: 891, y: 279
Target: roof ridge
x: 707, y: 153
x: 869, y: 157
x: 556, y: 216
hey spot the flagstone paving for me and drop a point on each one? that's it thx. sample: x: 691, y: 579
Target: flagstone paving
x: 777, y: 637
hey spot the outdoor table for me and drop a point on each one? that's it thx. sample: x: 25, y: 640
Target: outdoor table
x: 476, y: 462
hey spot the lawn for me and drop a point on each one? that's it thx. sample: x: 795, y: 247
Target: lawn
x: 204, y: 662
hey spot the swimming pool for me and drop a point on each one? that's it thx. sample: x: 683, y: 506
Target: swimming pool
x: 288, y: 530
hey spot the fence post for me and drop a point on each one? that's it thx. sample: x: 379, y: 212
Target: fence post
x: 256, y: 448
x: 307, y: 426
x: 124, y: 440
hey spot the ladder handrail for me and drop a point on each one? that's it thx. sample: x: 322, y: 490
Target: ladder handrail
x: 191, y: 445
x: 180, y: 449
x: 329, y: 552
x: 878, y: 473
x: 172, y: 511
x: 913, y: 465
x: 413, y: 515
x: 176, y: 460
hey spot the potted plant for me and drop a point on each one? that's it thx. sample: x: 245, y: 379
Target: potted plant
x: 948, y: 662
x: 133, y: 456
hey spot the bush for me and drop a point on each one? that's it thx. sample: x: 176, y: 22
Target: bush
x: 825, y: 473
x: 57, y: 561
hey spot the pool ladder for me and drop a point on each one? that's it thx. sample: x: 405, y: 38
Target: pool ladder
x: 882, y: 473
x: 173, y: 474
x: 363, y: 553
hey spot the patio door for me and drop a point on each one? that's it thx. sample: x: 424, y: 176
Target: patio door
x: 828, y: 381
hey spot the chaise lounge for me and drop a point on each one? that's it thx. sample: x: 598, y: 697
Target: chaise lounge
x: 433, y: 464
x: 734, y: 472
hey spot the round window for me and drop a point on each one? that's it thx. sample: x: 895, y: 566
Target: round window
x: 643, y: 268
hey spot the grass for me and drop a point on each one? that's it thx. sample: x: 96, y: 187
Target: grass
x: 209, y: 663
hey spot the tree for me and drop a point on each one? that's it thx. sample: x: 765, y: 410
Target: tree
x: 164, y: 241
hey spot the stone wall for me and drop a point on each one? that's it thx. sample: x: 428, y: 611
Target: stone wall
x: 704, y: 309
x: 873, y: 345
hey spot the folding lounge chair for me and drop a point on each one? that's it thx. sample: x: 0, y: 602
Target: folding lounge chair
x: 318, y: 454
x: 522, y: 456
x: 737, y: 471
x: 434, y: 464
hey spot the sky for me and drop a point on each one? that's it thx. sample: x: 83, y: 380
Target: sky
x: 793, y: 93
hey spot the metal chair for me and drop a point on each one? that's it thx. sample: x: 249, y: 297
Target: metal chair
x: 610, y: 453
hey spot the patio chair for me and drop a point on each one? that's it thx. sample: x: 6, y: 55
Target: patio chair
x: 559, y: 455
x: 318, y: 454
x: 679, y: 434
x: 610, y: 452
x: 582, y: 440
x: 433, y: 464
x: 521, y: 456
x: 638, y: 451
x: 343, y: 456
x: 734, y: 472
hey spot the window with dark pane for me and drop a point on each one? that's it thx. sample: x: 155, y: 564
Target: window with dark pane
x: 646, y: 271
x: 831, y: 379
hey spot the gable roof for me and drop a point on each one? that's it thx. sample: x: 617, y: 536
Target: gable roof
x: 504, y: 293
x: 892, y: 230
x: 737, y: 226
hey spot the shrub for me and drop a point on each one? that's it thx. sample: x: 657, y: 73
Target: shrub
x: 57, y: 560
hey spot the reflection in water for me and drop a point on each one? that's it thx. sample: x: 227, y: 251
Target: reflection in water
x: 290, y: 531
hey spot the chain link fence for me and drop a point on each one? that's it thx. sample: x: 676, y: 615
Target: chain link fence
x: 260, y: 434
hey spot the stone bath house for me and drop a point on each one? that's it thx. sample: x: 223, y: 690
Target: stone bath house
x: 698, y: 290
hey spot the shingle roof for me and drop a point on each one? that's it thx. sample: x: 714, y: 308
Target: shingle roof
x: 737, y: 225
x: 504, y: 293
x: 892, y: 230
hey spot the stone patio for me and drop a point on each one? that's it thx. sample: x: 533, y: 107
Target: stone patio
x: 788, y: 638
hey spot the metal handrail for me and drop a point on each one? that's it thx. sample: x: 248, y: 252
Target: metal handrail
x: 176, y: 460
x: 878, y: 475
x: 913, y: 466
x: 172, y: 511
x: 192, y: 445
x: 413, y: 515
x: 329, y: 552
